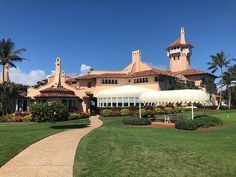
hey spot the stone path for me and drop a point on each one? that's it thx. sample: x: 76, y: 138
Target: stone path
x: 50, y: 157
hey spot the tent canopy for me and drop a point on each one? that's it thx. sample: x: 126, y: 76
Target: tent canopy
x: 123, y: 91
x: 174, y: 96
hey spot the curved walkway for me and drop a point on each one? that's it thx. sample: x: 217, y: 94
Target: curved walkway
x: 50, y: 157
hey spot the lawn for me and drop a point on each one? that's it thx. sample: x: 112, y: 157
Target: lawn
x: 118, y: 150
x: 14, y: 137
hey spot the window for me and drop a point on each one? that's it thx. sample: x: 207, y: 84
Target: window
x: 109, y: 81
x: 103, y: 81
x: 112, y: 81
x: 89, y: 84
x: 116, y: 82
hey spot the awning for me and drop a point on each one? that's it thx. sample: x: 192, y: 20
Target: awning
x: 174, y: 96
x: 123, y: 91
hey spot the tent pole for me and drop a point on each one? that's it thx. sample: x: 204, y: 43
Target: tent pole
x: 140, y: 113
x: 192, y: 112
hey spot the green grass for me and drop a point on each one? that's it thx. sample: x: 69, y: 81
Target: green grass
x: 118, y: 150
x: 15, y: 137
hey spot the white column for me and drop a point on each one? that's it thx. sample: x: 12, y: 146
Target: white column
x: 16, y: 105
x: 122, y: 101
x: 140, y: 111
x: 106, y: 102
x: 192, y: 112
x: 111, y: 102
x: 128, y: 102
x: 116, y: 101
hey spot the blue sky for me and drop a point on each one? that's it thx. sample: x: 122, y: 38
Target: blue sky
x: 102, y: 34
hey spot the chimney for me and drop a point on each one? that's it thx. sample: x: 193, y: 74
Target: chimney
x: 136, y: 58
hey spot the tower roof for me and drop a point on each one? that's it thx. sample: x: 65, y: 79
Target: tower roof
x: 180, y: 41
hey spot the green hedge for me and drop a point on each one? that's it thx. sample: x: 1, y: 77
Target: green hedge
x: 208, y: 121
x: 106, y: 112
x: 200, y: 121
x: 136, y: 121
x: 48, y: 112
x: 187, y: 124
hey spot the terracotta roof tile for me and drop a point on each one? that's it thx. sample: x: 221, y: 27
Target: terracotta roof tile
x: 177, y: 42
x: 192, y: 71
x: 152, y: 72
x: 56, y: 92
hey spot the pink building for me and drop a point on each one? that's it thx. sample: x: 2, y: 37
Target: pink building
x: 80, y: 93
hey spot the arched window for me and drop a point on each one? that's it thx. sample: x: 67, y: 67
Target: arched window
x: 146, y: 80
x: 109, y: 81
x: 116, y: 82
x: 134, y: 80
x: 140, y: 80
x: 137, y: 80
x: 105, y: 81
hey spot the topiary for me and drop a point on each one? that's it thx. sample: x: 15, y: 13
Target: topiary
x: 124, y: 112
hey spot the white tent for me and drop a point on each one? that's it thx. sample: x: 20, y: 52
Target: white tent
x: 126, y: 95
x: 175, y: 96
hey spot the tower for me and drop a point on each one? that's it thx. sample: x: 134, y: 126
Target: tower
x: 179, y: 53
x: 136, y: 58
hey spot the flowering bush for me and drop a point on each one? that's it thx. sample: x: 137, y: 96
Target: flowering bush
x: 22, y: 114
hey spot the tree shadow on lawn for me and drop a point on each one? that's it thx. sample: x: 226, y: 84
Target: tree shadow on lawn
x: 70, y: 126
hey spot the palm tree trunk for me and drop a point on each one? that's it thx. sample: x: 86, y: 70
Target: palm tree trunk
x: 221, y: 85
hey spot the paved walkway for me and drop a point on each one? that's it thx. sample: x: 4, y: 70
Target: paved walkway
x: 50, y: 157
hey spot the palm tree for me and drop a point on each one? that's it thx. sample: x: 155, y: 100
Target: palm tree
x: 229, y: 78
x: 219, y: 61
x: 8, y: 55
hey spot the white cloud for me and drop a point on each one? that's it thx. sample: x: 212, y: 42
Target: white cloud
x: 31, y: 78
x: 84, y: 69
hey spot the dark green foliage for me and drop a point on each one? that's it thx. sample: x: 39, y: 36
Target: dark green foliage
x: 187, y: 124
x: 48, y: 112
x: 203, y: 121
x: 208, y: 121
x: 136, y: 121
x: 84, y: 115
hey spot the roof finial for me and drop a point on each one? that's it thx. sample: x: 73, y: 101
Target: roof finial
x: 182, y: 36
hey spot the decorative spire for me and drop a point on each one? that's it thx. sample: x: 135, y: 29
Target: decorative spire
x: 182, y: 36
x: 57, y: 75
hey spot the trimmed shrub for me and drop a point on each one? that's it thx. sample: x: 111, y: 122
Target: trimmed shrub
x: 136, y: 121
x: 73, y: 116
x: 150, y: 112
x: 106, y: 112
x: 84, y: 114
x: 187, y: 124
x: 48, y: 112
x: 178, y: 109
x: 208, y: 121
x: 168, y: 110
x: 158, y: 111
x: 115, y: 111
x: 124, y: 112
